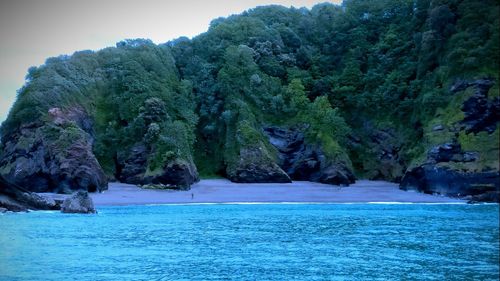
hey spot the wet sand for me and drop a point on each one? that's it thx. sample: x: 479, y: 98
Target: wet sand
x: 224, y: 191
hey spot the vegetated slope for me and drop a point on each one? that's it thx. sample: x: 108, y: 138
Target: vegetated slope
x: 372, y: 88
x: 125, y: 105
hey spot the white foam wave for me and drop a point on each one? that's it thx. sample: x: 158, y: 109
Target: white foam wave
x: 309, y: 203
x: 417, y: 203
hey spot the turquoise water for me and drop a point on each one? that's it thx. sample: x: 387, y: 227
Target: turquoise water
x: 254, y: 242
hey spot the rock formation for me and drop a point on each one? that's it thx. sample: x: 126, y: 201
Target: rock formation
x: 449, y: 168
x: 481, y: 113
x: 377, y: 152
x: 132, y: 168
x: 17, y: 199
x: 473, y: 186
x: 53, y: 156
x: 254, y: 166
x: 306, y: 162
x: 368, y: 99
x: 79, y: 202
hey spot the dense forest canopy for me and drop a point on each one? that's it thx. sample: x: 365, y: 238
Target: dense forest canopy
x: 338, y: 73
x: 380, y: 61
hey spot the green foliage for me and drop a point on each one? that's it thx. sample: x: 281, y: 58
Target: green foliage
x: 487, y: 146
x: 330, y: 69
x: 296, y: 98
x: 325, y: 121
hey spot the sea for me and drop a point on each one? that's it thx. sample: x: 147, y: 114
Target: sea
x: 388, y: 241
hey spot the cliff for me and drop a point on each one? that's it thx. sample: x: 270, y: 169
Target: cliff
x: 398, y: 91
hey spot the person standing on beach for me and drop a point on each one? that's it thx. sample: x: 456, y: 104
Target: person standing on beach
x: 192, y: 196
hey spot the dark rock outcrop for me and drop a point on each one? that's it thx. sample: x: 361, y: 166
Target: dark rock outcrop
x: 132, y: 168
x: 481, y: 113
x: 437, y: 175
x: 306, y: 162
x: 488, y: 196
x: 445, y: 153
x: 254, y: 167
x: 17, y: 199
x: 376, y: 153
x: 476, y: 186
x: 80, y: 202
x: 451, y: 171
x: 179, y: 174
x: 55, y: 156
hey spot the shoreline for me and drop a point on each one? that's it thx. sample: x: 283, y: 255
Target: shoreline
x: 222, y: 191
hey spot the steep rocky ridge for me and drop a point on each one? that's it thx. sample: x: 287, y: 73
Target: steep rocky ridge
x: 79, y: 120
x: 461, y: 158
x: 370, y: 87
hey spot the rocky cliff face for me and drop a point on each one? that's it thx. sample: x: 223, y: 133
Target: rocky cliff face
x: 56, y: 155
x: 306, y: 162
x: 17, y: 199
x: 132, y: 168
x: 435, y: 179
x: 377, y: 153
x: 254, y: 165
x: 53, y: 156
x: 462, y: 159
x: 137, y: 112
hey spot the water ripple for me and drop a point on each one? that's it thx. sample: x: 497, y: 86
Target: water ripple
x: 255, y: 242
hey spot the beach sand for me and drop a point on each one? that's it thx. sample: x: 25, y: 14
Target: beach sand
x: 224, y: 191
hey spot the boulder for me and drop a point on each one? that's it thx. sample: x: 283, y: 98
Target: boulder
x: 445, y: 152
x: 11, y: 204
x: 489, y: 196
x: 79, y: 202
x: 336, y: 174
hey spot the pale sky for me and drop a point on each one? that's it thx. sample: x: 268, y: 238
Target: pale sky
x: 33, y: 30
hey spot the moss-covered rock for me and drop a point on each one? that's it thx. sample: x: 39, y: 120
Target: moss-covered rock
x: 254, y: 165
x: 52, y: 156
x: 376, y: 152
x: 461, y: 152
x: 132, y: 167
x: 178, y: 174
x: 302, y: 161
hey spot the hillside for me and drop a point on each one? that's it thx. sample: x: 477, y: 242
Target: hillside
x: 405, y: 91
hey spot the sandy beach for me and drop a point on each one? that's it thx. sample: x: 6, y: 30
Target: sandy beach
x: 224, y: 191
